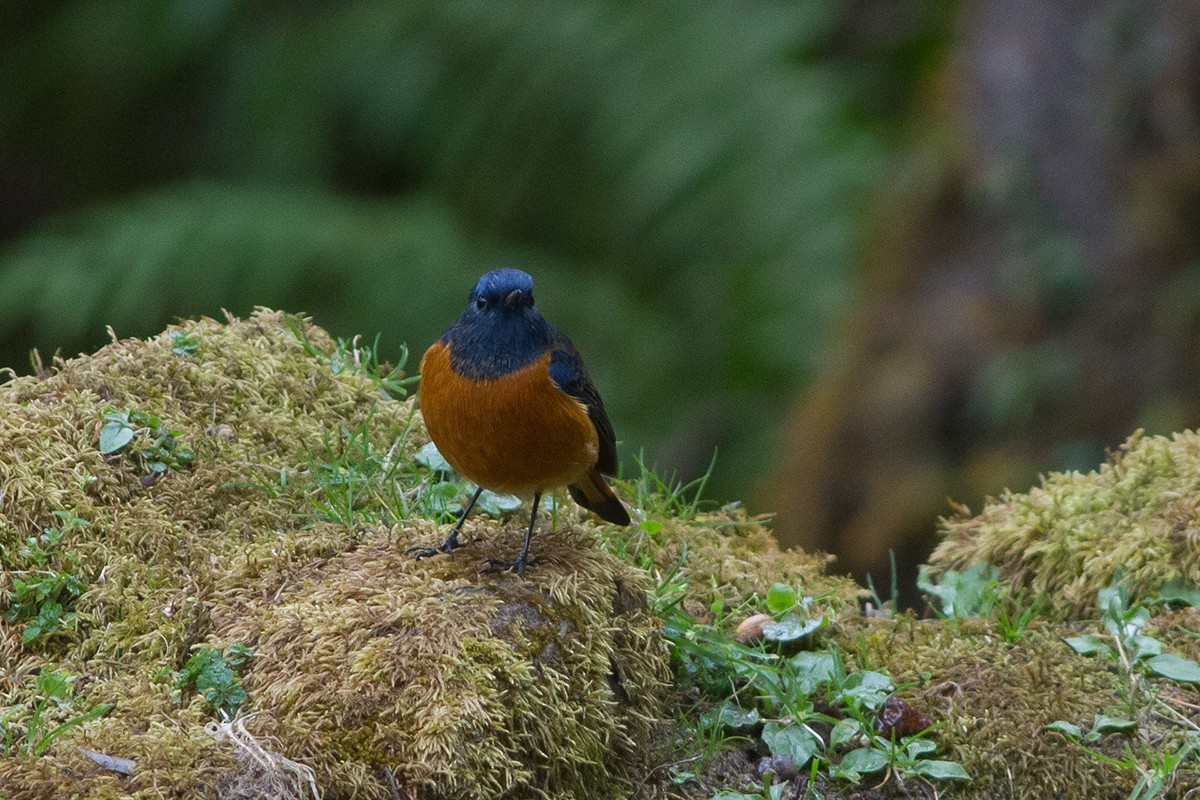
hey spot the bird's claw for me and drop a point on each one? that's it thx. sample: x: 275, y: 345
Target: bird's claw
x: 497, y: 565
x: 449, y: 546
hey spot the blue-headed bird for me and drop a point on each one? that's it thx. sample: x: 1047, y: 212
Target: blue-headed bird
x: 509, y: 404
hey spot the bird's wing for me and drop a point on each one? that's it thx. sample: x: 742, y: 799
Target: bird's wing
x: 569, y: 374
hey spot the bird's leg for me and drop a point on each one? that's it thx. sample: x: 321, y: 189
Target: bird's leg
x: 451, y: 542
x: 518, y: 566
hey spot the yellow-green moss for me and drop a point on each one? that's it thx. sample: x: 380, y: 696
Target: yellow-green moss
x: 365, y: 660
x: 1059, y: 544
x: 454, y: 683
x: 994, y: 700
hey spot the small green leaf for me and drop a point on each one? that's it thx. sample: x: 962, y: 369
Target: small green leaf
x: 1112, y: 600
x: 1177, y: 668
x: 790, y: 628
x: 941, y: 770
x: 1068, y: 729
x: 497, y: 505
x: 1143, y: 646
x: 54, y: 685
x: 1088, y: 645
x: 1177, y: 590
x: 864, y: 761
x: 919, y: 747
x: 184, y: 345
x: 651, y: 526
x: 866, y: 689
x: 1107, y: 724
x: 794, y: 741
x: 844, y: 731
x: 114, y: 436
x: 810, y: 670
x: 428, y: 456
x: 780, y: 598
x: 729, y: 716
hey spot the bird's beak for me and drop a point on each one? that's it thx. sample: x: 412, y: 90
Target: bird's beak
x: 514, y: 299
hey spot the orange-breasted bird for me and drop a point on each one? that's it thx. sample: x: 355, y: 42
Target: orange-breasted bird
x: 510, y: 406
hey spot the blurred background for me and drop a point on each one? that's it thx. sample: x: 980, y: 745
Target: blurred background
x: 877, y: 255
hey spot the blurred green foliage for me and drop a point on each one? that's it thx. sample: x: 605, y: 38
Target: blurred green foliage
x: 686, y: 182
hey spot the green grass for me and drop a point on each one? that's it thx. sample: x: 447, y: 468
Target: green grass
x: 45, y: 580
x: 27, y: 731
x: 1140, y: 660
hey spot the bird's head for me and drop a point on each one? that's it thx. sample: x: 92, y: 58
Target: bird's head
x: 500, y: 330
x: 502, y: 293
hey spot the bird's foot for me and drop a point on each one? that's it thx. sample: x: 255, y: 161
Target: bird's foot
x: 451, y: 544
x: 496, y: 565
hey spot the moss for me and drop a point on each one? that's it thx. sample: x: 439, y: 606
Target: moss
x: 365, y: 661
x: 1138, y: 517
x: 370, y: 667
x: 994, y: 700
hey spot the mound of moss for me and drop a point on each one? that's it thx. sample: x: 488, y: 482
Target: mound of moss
x: 198, y: 582
x: 173, y: 555
x: 1137, y: 518
x: 360, y: 664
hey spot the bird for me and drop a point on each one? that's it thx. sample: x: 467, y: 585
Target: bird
x: 508, y: 403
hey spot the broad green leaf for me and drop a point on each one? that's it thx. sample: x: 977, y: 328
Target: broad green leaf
x: 428, y: 456
x: 790, y: 628
x: 1067, y: 728
x: 941, y: 770
x: 794, y: 741
x: 811, y: 670
x: 1088, y: 645
x: 1107, y: 724
x: 780, y: 598
x: 114, y: 436
x: 1177, y: 590
x: 919, y: 747
x: 1143, y: 646
x: 1112, y: 600
x: 496, y: 505
x: 844, y: 731
x: 1177, y: 668
x: 864, y: 761
x: 729, y: 716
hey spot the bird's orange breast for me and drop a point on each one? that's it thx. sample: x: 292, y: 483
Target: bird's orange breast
x: 517, y: 434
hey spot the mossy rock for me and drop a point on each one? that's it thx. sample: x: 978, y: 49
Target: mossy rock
x: 372, y: 673
x: 1136, y: 520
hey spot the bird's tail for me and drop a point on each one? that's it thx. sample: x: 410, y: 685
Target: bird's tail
x: 597, y: 496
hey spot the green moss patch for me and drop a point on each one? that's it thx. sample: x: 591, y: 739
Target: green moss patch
x: 1137, y: 517
x: 366, y: 667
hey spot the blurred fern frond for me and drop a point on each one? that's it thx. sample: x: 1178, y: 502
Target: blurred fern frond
x: 703, y: 168
x: 138, y: 262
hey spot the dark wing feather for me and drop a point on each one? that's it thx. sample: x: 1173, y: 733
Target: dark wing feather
x: 569, y: 374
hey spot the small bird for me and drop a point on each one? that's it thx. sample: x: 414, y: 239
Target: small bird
x: 509, y: 404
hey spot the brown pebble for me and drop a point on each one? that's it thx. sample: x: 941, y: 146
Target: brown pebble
x: 751, y: 628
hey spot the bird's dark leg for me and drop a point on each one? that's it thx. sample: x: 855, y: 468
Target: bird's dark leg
x: 518, y: 566
x: 451, y: 542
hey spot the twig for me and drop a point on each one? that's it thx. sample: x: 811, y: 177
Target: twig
x: 391, y: 782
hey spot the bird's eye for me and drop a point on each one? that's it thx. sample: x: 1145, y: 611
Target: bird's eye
x: 481, y: 303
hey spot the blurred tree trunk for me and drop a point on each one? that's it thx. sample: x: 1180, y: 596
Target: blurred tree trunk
x: 1033, y: 294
